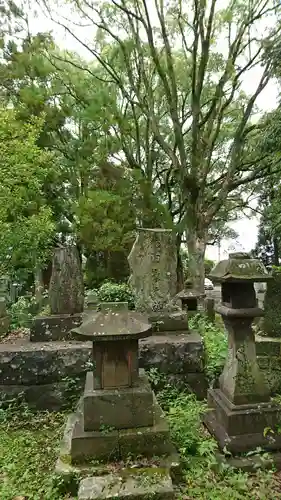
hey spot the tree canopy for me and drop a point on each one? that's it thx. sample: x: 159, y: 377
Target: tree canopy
x: 155, y: 128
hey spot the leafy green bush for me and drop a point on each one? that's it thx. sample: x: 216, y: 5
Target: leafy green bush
x: 184, y: 414
x: 114, y: 292
x: 215, y: 341
x: 21, y: 312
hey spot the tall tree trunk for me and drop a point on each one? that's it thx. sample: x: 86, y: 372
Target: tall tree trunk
x: 196, y: 245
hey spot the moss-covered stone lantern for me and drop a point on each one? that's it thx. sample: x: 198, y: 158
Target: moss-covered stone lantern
x: 241, y: 407
x: 189, y: 297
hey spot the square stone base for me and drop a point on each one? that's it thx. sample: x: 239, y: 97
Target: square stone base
x: 55, y: 327
x: 123, y: 408
x: 109, y: 444
x: 242, y: 428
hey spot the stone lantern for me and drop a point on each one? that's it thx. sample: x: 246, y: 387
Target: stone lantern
x: 117, y: 414
x: 240, y: 408
x: 189, y: 297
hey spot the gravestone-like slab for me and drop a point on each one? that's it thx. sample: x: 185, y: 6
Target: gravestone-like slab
x: 66, y: 290
x: 54, y: 328
x: 147, y: 485
x: 153, y: 265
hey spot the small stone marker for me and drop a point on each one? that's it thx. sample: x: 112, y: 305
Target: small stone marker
x: 118, y: 415
x: 129, y: 487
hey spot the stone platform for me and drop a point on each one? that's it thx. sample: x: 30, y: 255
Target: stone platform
x: 44, y: 371
x: 133, y: 486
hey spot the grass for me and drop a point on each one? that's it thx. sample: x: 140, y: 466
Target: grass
x: 203, y: 478
x: 28, y: 451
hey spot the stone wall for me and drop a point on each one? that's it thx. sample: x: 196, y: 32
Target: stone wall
x: 49, y: 374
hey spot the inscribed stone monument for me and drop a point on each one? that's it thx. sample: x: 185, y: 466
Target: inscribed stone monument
x: 153, y: 264
x: 66, y: 291
x: 66, y: 298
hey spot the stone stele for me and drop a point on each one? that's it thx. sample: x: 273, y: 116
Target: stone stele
x: 153, y: 265
x: 66, y: 291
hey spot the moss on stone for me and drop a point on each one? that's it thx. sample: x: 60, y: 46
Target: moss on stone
x: 272, y: 306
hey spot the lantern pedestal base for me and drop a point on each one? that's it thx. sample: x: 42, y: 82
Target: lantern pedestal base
x: 109, y: 444
x: 240, y: 429
x: 119, y: 408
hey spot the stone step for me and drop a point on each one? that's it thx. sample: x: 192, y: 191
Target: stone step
x: 156, y: 484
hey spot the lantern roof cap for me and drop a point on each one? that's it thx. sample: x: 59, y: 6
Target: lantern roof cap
x: 240, y: 266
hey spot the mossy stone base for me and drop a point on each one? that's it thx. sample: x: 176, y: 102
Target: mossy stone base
x: 176, y: 321
x: 80, y: 446
x: 139, y: 485
x: 146, y: 441
x: 241, y: 429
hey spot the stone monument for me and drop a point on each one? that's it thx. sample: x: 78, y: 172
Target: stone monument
x: 241, y: 409
x: 153, y: 265
x: 66, y: 298
x: 118, y: 415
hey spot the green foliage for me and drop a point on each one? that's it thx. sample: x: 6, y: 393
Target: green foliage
x: 114, y: 292
x: 208, y: 264
x: 22, y: 311
x: 29, y: 443
x: 25, y: 469
x: 215, y: 342
x: 203, y: 478
x: 184, y: 415
x: 106, y: 266
x: 106, y: 221
x: 24, y: 217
